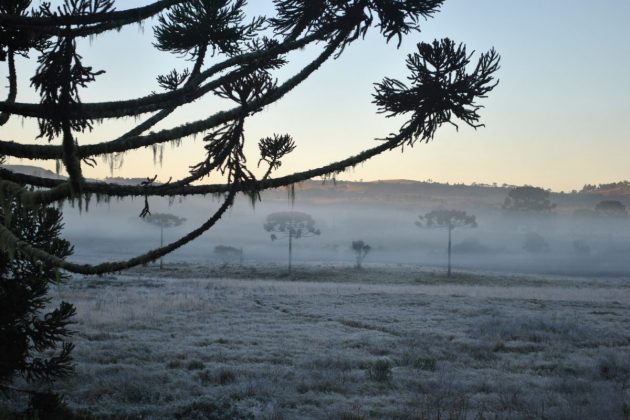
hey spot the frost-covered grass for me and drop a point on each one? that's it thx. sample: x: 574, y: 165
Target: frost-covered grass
x: 384, y: 342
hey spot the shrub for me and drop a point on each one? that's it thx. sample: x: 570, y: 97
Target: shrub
x: 380, y: 371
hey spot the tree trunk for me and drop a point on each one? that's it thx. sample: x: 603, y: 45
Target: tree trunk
x: 450, y: 229
x: 290, y: 249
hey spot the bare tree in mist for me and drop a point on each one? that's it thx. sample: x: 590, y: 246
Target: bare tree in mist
x: 449, y: 220
x: 361, y: 249
x: 528, y: 200
x: 292, y: 225
x: 164, y: 220
x: 224, y: 53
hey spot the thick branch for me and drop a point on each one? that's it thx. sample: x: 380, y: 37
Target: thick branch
x: 155, y: 102
x: 7, y: 237
x: 46, y: 24
x: 123, y: 144
x: 4, y: 116
x: 150, y: 122
x: 59, y: 189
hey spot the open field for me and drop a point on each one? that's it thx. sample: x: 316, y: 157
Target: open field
x: 385, y: 342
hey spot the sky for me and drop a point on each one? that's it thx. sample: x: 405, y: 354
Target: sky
x: 559, y: 119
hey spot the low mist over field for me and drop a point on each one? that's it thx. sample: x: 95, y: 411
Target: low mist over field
x: 572, y: 238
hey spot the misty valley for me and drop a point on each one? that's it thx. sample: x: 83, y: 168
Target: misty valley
x: 214, y: 209
x: 532, y: 323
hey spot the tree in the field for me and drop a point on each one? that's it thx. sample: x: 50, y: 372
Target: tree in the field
x: 449, y: 220
x: 33, y: 334
x: 528, y: 200
x: 292, y: 225
x: 225, y: 53
x: 361, y: 249
x: 611, y: 209
x: 163, y: 220
x: 229, y: 254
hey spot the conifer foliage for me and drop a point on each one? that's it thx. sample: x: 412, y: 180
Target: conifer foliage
x: 225, y: 53
x: 32, y: 334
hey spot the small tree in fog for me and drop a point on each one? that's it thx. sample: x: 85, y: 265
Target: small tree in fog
x: 611, y: 208
x: 528, y: 199
x: 292, y: 225
x: 228, y: 254
x: 447, y: 219
x: 163, y: 220
x: 361, y: 249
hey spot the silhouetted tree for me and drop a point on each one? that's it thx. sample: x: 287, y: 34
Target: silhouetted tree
x: 528, y: 199
x: 361, y: 249
x: 449, y: 220
x: 163, y: 220
x: 33, y: 334
x: 611, y: 208
x: 233, y: 56
x: 291, y: 224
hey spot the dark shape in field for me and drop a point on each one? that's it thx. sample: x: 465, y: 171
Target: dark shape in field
x: 361, y: 249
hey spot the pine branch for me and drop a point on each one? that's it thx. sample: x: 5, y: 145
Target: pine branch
x: 7, y: 237
x: 59, y: 189
x: 156, y: 102
x: 127, y: 143
x: 58, y: 25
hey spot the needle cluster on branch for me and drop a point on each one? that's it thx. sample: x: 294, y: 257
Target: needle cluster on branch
x: 232, y: 56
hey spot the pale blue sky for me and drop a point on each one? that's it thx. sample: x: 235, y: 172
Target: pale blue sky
x: 560, y: 117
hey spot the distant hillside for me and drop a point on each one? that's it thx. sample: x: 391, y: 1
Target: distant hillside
x: 33, y: 170
x: 614, y: 188
x: 402, y: 193
x: 45, y: 173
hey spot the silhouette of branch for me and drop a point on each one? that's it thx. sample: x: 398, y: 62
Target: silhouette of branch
x: 4, y: 116
x: 101, y: 22
x: 127, y: 143
x: 7, y: 237
x: 155, y: 102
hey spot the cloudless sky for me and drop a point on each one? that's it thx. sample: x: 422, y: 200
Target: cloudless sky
x: 560, y: 117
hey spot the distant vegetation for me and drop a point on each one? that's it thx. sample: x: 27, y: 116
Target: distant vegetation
x: 620, y: 188
x: 528, y: 199
x: 163, y: 221
x: 229, y: 254
x: 449, y: 220
x: 291, y: 225
x: 360, y: 249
